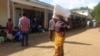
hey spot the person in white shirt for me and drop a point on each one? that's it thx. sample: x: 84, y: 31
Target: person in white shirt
x: 88, y: 24
x: 94, y: 23
x: 51, y: 28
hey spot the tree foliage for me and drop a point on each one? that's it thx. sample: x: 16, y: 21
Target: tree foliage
x: 96, y: 12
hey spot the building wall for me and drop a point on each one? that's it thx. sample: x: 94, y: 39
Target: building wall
x: 3, y: 12
x: 21, y: 6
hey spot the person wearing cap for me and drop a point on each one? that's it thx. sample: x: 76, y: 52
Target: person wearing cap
x: 60, y: 28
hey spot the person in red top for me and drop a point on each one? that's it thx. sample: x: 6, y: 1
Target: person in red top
x: 24, y: 26
x: 9, y: 27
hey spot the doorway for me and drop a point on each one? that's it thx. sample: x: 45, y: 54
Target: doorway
x: 18, y: 14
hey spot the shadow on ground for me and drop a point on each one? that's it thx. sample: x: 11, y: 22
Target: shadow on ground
x: 75, y: 32
x: 35, y: 39
x: 77, y: 43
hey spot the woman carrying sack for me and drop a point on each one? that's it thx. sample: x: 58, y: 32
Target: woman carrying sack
x: 60, y: 28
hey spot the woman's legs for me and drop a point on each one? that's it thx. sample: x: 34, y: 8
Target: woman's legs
x: 59, y: 51
x: 59, y: 41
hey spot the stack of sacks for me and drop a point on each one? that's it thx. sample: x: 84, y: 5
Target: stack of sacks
x: 58, y: 10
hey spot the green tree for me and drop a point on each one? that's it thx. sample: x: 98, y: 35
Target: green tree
x: 96, y: 12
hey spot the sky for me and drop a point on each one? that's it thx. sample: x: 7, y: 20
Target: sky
x: 70, y: 4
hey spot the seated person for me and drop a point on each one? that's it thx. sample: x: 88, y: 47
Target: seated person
x: 3, y: 33
x: 2, y: 37
x: 40, y: 29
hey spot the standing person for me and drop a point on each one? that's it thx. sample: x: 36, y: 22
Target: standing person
x: 94, y: 23
x: 60, y: 28
x: 24, y: 26
x: 88, y: 24
x: 51, y: 28
x: 9, y: 27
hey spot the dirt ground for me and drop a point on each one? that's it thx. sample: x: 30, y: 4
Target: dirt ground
x: 80, y: 42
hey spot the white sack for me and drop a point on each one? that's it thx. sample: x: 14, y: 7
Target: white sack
x: 9, y: 36
x: 58, y: 10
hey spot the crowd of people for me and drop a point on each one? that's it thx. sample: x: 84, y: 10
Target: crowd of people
x: 91, y: 23
x: 25, y: 26
x: 10, y: 35
x: 36, y: 26
x: 57, y: 28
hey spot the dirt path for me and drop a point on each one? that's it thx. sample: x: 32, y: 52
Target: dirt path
x: 78, y: 43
